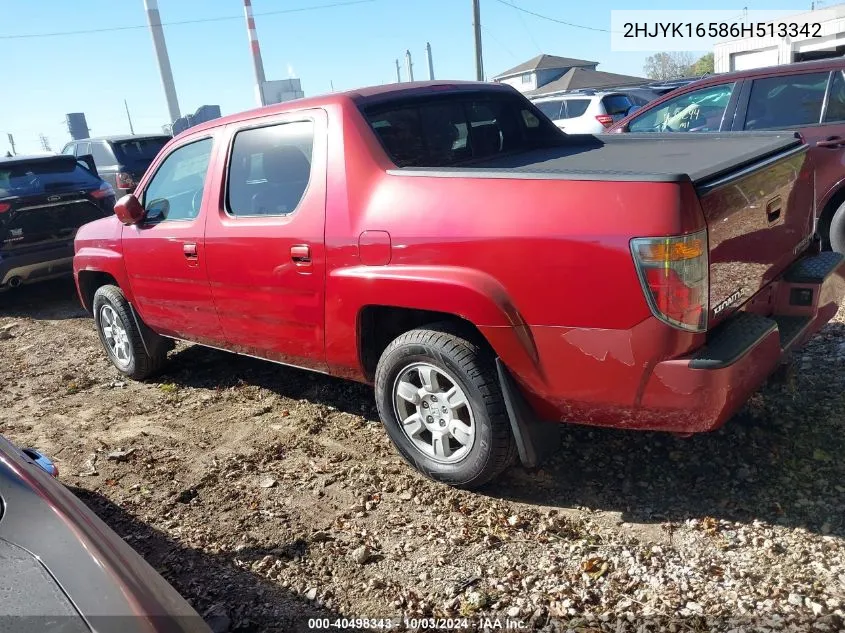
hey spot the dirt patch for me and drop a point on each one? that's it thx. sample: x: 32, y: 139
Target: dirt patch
x: 268, y: 495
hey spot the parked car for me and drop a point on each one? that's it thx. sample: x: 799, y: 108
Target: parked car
x: 808, y: 97
x: 445, y: 242
x: 120, y: 160
x: 65, y: 570
x: 43, y: 201
x: 668, y: 85
x: 587, y: 112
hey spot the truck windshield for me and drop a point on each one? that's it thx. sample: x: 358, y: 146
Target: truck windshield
x: 42, y: 176
x: 453, y: 129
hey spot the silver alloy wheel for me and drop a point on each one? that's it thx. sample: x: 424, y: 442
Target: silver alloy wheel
x: 116, y: 337
x: 434, y: 413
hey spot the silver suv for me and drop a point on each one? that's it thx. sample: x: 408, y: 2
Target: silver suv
x: 587, y: 111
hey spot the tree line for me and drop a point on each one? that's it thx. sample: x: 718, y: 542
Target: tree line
x: 677, y: 64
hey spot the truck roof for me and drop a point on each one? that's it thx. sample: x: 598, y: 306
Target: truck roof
x: 359, y: 96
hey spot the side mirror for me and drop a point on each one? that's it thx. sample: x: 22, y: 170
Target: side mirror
x: 157, y: 210
x: 129, y: 210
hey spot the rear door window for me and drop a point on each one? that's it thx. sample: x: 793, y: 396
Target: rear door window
x: 576, y: 108
x: 701, y: 110
x: 835, y: 111
x: 786, y: 101
x: 101, y: 154
x: 616, y: 105
x: 83, y: 148
x: 552, y: 109
x: 270, y: 169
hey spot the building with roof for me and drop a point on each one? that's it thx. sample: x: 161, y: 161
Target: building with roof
x: 826, y: 40
x: 578, y: 78
x: 541, y: 70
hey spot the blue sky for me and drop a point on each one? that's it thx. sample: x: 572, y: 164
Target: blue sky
x: 351, y: 46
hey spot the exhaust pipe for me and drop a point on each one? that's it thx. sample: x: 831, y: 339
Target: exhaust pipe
x: 14, y: 282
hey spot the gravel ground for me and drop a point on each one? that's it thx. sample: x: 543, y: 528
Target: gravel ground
x: 268, y: 495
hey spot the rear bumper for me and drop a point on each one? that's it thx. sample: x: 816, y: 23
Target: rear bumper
x: 743, y: 352
x: 633, y: 379
x: 36, y: 265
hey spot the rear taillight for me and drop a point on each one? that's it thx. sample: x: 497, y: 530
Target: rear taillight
x: 605, y: 119
x: 104, y: 191
x: 125, y: 181
x: 674, y: 275
x: 4, y: 206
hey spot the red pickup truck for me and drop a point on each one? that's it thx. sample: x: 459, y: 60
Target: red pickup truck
x: 486, y: 272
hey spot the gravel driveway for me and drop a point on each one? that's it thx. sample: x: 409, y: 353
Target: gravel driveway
x: 268, y: 495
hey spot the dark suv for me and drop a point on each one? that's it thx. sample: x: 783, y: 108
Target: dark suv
x: 808, y: 97
x: 43, y: 201
x: 120, y: 160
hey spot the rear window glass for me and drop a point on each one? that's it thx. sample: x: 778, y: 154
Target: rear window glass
x: 551, y: 109
x: 138, y: 151
x: 43, y: 177
x: 575, y: 108
x: 448, y: 131
x: 616, y: 104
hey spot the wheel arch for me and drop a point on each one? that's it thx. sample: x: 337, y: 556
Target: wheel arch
x: 89, y: 281
x: 393, y: 300
x: 834, y: 199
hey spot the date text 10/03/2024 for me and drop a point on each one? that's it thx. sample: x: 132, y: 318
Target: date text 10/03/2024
x: 432, y: 624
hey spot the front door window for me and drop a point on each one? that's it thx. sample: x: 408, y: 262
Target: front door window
x: 697, y: 111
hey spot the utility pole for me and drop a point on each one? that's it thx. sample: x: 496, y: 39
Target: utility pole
x: 409, y: 65
x: 398, y: 72
x: 430, y: 62
x: 12, y: 143
x: 476, y: 26
x: 126, y: 105
x: 45, y: 143
x: 157, y: 32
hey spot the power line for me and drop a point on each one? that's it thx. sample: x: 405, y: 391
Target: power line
x: 182, y: 22
x: 499, y: 42
x: 550, y: 19
x: 528, y: 31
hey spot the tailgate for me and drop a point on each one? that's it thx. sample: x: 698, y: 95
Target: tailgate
x: 37, y: 221
x: 44, y: 200
x: 759, y: 219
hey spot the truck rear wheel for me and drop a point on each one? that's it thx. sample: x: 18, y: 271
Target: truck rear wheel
x: 439, y: 400
x: 835, y: 237
x: 121, y: 338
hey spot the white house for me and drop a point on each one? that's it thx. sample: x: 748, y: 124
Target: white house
x: 537, y: 72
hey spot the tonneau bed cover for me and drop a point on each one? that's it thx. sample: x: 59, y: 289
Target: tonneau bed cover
x: 677, y: 157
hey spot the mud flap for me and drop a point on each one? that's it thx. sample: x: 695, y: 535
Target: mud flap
x: 535, y: 439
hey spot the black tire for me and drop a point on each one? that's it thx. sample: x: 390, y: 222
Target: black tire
x: 473, y: 368
x: 835, y: 237
x: 142, y: 362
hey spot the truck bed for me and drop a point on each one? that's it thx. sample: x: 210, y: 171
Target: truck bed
x: 676, y: 157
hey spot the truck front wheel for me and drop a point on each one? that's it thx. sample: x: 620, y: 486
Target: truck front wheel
x: 121, y: 337
x: 439, y: 399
